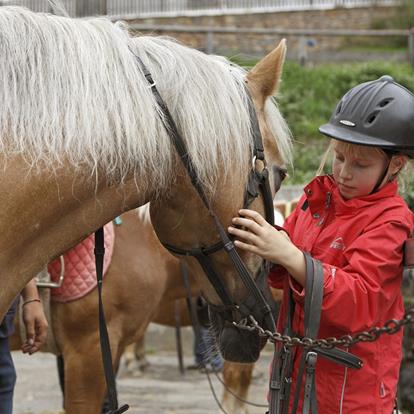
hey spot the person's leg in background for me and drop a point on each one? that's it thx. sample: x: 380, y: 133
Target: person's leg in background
x: 211, y: 356
x: 7, y: 377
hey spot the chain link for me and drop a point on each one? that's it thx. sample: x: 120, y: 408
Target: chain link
x: 390, y: 327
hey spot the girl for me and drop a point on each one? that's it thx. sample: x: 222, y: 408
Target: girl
x: 355, y: 223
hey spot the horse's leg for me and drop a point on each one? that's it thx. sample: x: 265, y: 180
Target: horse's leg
x: 140, y: 355
x: 76, y: 329
x: 134, y: 360
x: 84, y: 378
x: 237, y: 378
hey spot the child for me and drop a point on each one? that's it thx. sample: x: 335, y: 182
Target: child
x: 355, y: 224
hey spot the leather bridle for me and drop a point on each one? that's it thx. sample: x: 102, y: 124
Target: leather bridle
x: 258, y: 183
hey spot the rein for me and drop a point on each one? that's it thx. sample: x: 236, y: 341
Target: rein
x: 103, y: 331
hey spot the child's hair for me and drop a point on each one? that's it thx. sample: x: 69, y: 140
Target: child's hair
x: 354, y: 149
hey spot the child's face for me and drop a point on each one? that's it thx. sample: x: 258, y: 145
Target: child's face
x: 357, y: 169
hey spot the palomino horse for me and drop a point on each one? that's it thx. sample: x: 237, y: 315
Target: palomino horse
x: 83, y: 138
x: 142, y: 284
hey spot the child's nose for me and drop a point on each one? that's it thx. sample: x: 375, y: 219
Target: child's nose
x: 345, y: 172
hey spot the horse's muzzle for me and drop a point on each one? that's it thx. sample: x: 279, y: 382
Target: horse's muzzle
x: 240, y: 345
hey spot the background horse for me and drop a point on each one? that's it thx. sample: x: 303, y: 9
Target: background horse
x: 82, y: 139
x: 143, y: 284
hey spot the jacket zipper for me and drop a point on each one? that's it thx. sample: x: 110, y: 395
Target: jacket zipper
x: 327, y: 204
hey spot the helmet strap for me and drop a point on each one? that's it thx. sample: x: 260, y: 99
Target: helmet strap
x: 383, y: 175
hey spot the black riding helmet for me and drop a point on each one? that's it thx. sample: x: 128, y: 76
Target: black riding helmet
x: 379, y: 113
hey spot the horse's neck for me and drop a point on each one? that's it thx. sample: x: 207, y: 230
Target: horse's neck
x: 43, y: 215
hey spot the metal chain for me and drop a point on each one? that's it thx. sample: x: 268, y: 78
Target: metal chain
x: 390, y: 327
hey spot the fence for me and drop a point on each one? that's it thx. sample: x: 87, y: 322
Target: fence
x: 153, y: 8
x: 302, y: 34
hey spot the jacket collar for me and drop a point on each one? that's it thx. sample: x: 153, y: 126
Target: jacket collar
x: 322, y: 192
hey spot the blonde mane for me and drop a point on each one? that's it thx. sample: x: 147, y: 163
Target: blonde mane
x: 72, y: 91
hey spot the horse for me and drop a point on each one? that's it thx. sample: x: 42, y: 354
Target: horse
x: 159, y: 291
x: 83, y: 138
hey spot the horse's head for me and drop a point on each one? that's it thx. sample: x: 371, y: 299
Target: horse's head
x: 185, y: 225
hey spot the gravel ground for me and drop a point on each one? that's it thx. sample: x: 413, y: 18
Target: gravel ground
x: 160, y: 390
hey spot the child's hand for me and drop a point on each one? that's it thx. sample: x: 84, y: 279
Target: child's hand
x: 259, y: 237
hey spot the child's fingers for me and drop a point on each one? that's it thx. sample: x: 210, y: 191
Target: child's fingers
x: 28, y: 346
x: 246, y: 246
x: 244, y: 235
x: 253, y: 215
x: 247, y: 223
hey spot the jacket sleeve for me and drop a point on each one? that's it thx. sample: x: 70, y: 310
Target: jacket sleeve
x: 278, y: 273
x: 360, y: 294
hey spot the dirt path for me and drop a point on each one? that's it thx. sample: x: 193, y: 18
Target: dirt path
x: 161, y: 390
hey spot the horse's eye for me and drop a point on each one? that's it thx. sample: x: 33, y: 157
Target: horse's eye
x: 283, y: 173
x: 279, y: 174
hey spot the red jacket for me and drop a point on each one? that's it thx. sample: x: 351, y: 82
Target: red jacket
x: 359, y: 243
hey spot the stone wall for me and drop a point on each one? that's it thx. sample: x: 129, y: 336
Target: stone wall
x: 257, y: 45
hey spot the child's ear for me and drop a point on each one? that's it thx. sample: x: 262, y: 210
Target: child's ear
x: 397, y: 163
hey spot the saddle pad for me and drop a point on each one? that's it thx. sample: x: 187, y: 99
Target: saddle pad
x: 80, y: 275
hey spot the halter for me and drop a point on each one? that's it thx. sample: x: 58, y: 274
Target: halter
x: 258, y: 182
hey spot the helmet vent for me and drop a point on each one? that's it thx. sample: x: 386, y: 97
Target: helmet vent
x: 371, y: 118
x: 338, y: 108
x: 385, y: 102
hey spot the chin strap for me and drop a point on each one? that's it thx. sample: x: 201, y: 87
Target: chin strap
x: 384, y: 174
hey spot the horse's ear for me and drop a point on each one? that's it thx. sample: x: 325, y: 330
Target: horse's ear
x: 266, y: 74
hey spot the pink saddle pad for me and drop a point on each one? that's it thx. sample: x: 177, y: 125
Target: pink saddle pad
x: 80, y: 275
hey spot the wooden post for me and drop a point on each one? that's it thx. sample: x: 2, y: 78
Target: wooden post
x: 411, y: 46
x: 209, y: 43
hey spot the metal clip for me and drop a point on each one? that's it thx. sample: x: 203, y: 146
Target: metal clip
x: 41, y: 283
x: 254, y: 159
x: 311, y: 358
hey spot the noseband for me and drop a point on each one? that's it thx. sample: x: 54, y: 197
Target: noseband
x: 258, y: 183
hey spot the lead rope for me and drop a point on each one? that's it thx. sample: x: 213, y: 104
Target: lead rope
x: 103, y: 331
